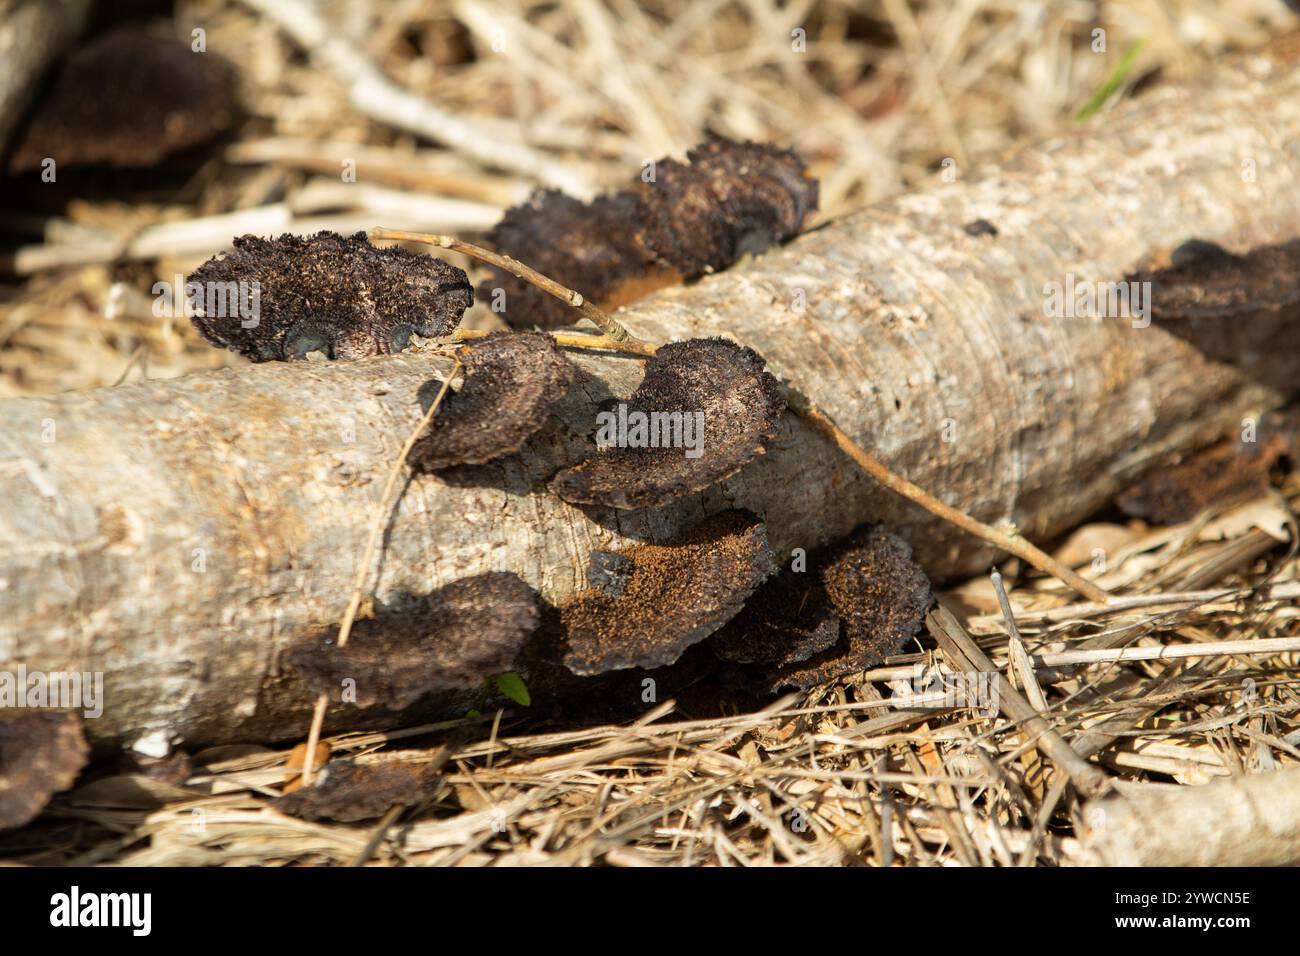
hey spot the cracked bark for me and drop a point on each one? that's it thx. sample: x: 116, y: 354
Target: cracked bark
x: 179, y: 535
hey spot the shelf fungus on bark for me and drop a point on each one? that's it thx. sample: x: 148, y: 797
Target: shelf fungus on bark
x: 591, y: 247
x: 651, y: 602
x: 127, y: 99
x: 1227, y: 473
x: 281, y: 299
x: 451, y: 639
x: 41, y: 753
x: 868, y: 585
x: 345, y: 791
x: 704, y: 410
x: 1205, y: 281
x: 687, y: 219
x: 729, y: 199
x: 511, y: 381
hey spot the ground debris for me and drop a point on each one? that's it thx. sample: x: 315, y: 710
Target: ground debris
x: 345, y: 791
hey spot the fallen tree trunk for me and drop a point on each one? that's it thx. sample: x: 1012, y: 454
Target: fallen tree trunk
x: 179, y: 535
x: 1240, y: 821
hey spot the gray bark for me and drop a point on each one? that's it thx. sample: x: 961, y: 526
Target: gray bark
x: 179, y: 535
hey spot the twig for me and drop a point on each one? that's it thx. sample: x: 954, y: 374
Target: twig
x: 965, y: 655
x: 803, y: 407
x: 358, y: 589
x: 576, y: 340
x: 610, y: 326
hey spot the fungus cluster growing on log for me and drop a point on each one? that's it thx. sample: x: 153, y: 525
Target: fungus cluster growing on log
x: 714, y: 389
x: 860, y: 600
x: 274, y: 300
x: 127, y: 99
x: 1205, y: 281
x: 511, y: 381
x: 651, y: 602
x: 451, y: 639
x: 1222, y: 475
x: 682, y: 221
x: 41, y: 753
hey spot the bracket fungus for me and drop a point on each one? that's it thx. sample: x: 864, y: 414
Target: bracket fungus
x: 1227, y: 473
x: 451, y: 639
x: 1205, y: 281
x: 689, y: 218
x: 127, y: 99
x: 511, y: 381
x: 347, y: 792
x: 591, y: 247
x: 871, y: 585
x: 705, y: 409
x: 729, y: 199
x: 653, y: 601
x: 281, y: 299
x: 41, y: 752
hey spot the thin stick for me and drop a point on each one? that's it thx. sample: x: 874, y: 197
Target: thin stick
x: 358, y: 588
x: 1018, y: 546
x: 610, y: 326
x: 576, y: 340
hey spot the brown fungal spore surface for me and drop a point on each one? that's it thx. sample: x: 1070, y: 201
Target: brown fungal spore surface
x: 690, y: 218
x: 1205, y: 281
x: 1225, y: 474
x: 511, y: 381
x: 347, y: 792
x: 280, y: 299
x: 452, y: 639
x: 712, y: 382
x: 41, y: 753
x: 728, y: 199
x: 870, y: 583
x: 127, y: 99
x: 591, y: 247
x: 664, y: 598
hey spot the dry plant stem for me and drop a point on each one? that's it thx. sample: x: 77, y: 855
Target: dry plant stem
x: 1018, y: 546
x: 575, y: 340
x: 966, y: 657
x: 611, y: 327
x: 358, y: 589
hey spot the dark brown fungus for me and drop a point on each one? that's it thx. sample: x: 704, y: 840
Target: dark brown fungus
x: 511, y: 382
x: 453, y: 638
x: 591, y: 247
x: 1206, y: 281
x: 688, y: 219
x: 127, y: 99
x: 704, y: 410
x: 347, y: 792
x: 41, y: 753
x: 280, y: 299
x: 1225, y: 474
x: 729, y: 199
x: 869, y: 583
x: 654, y: 601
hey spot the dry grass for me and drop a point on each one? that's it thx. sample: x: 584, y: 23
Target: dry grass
x: 883, y: 94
